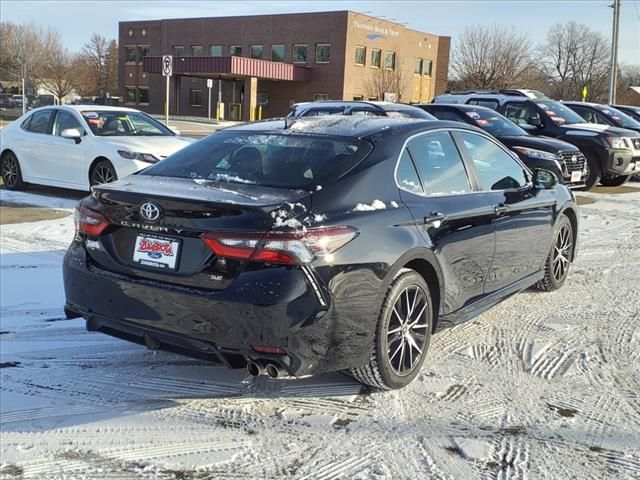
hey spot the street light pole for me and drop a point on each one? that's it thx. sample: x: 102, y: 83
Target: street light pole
x: 24, y: 100
x: 613, y: 72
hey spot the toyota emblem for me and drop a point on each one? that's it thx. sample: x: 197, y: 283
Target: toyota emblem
x: 150, y: 211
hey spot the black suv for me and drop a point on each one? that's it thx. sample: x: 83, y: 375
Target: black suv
x: 346, y: 107
x: 313, y: 245
x: 562, y: 158
x: 633, y: 112
x: 604, y: 115
x: 613, y: 154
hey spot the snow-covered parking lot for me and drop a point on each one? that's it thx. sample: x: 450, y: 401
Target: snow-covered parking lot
x: 542, y: 386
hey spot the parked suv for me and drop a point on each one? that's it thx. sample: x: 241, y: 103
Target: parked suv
x: 604, y: 115
x: 633, y: 112
x: 562, y: 158
x: 612, y: 153
x: 340, y: 107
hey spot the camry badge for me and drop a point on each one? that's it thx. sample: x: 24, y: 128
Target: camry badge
x: 150, y: 211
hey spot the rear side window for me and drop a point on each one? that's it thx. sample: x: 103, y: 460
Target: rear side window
x: 439, y: 164
x: 447, y: 115
x: 496, y: 169
x: 493, y: 104
x: 406, y: 174
x: 40, y: 122
x: 271, y: 160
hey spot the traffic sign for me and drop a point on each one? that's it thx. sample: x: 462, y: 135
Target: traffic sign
x: 209, y: 83
x: 584, y: 92
x: 167, y: 65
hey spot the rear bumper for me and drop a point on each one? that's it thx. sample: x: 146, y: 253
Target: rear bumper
x: 274, y: 307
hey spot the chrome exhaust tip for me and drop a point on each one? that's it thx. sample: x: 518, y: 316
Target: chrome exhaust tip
x: 254, y: 369
x: 274, y: 371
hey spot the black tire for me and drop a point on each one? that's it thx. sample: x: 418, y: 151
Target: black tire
x: 556, y: 268
x: 388, y: 368
x: 594, y: 171
x: 102, y: 172
x: 11, y: 172
x: 615, y: 181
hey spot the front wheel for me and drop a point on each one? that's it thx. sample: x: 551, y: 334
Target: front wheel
x: 402, y: 336
x: 556, y: 268
x: 103, y: 172
x: 615, y: 181
x: 11, y: 173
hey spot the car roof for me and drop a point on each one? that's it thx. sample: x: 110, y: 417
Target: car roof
x: 93, y: 108
x: 344, y: 126
x: 458, y: 106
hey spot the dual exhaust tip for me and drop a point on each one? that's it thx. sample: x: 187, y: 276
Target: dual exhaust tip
x: 260, y: 368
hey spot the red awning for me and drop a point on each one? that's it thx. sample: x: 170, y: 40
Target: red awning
x: 232, y: 66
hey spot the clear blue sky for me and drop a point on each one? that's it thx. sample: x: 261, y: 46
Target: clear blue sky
x: 77, y: 20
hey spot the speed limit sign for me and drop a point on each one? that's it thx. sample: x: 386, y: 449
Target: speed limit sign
x: 167, y: 65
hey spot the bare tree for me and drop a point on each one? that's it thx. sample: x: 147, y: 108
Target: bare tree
x: 388, y: 80
x: 58, y: 71
x: 490, y: 57
x: 97, y: 67
x: 572, y: 57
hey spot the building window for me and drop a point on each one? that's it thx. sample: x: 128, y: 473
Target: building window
x: 263, y: 99
x: 277, y: 53
x: 361, y: 55
x: 130, y: 94
x: 426, y: 68
x: 178, y: 51
x: 143, y: 95
x: 215, y: 51
x: 257, y: 51
x: 375, y: 58
x: 299, y: 53
x: 323, y: 53
x: 195, y: 97
x: 320, y: 96
x: 417, y: 69
x: 235, y: 51
x: 197, y: 50
x: 373, y: 99
x: 131, y: 54
x: 358, y: 97
x: 143, y: 51
x: 389, y: 60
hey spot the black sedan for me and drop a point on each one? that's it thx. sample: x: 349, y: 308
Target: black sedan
x: 357, y: 108
x: 604, y: 115
x: 562, y: 158
x: 305, y: 246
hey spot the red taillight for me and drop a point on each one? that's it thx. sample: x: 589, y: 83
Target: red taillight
x: 269, y: 350
x: 89, y: 222
x: 288, y: 248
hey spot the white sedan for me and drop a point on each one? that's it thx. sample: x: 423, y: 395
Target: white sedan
x: 80, y: 146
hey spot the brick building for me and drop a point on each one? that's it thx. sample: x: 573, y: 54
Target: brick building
x: 261, y: 64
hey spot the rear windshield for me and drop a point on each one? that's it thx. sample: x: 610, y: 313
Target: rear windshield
x: 271, y: 160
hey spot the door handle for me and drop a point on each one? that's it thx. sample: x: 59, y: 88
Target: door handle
x: 501, y: 209
x: 435, y: 218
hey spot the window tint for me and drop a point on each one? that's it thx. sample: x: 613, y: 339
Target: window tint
x: 323, y: 53
x: 277, y: 53
x: 496, y: 169
x: 282, y: 161
x: 299, y: 53
x: 215, y: 50
x: 439, y: 164
x: 361, y: 55
x: 446, y: 115
x: 131, y: 54
x: 195, y: 97
x: 40, y: 122
x: 375, y: 58
x: 389, y: 60
x: 256, y: 51
x: 406, y: 175
x: 65, y: 120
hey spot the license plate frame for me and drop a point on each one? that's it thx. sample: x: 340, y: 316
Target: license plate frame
x: 159, y: 252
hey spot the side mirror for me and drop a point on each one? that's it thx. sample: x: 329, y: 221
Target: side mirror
x: 544, y: 179
x: 535, y: 121
x: 73, y: 134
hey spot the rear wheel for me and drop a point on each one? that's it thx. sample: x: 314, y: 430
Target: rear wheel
x: 402, y: 336
x: 615, y: 181
x: 11, y: 173
x: 103, y: 172
x: 557, y: 265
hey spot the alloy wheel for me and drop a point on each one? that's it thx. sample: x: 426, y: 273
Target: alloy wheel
x: 407, y: 330
x: 103, y: 174
x: 562, y: 253
x: 10, y: 170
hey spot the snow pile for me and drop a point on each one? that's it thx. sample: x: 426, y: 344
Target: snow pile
x: 375, y: 205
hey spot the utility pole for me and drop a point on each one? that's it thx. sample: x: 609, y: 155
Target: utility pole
x: 24, y: 97
x: 613, y: 72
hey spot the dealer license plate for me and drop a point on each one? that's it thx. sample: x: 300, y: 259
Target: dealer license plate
x: 158, y: 252
x: 576, y: 175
